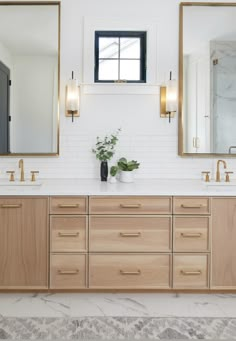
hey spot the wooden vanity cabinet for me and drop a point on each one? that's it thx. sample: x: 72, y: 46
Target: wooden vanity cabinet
x: 23, y: 243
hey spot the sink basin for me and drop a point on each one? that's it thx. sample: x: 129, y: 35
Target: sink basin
x: 7, y: 183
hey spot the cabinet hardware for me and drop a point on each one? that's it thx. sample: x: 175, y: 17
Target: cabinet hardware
x: 190, y: 273
x: 11, y: 206
x: 138, y: 234
x: 68, y: 234
x: 138, y: 272
x: 68, y: 205
x: 130, y: 205
x: 192, y: 206
x: 68, y: 272
x: 191, y: 235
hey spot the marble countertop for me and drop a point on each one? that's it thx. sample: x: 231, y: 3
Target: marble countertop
x: 177, y: 187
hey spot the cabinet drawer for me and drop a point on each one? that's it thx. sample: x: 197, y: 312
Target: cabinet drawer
x: 130, y: 234
x: 190, y: 271
x: 192, y: 205
x: 68, y: 205
x: 130, y: 205
x: 68, y: 233
x: 191, y: 234
x: 68, y: 271
x: 129, y: 271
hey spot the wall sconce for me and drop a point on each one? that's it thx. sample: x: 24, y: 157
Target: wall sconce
x: 72, y: 98
x: 168, y: 96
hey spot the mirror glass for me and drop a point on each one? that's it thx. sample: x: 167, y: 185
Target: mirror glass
x: 29, y: 78
x: 208, y: 79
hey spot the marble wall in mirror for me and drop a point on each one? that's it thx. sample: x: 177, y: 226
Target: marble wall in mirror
x: 29, y: 78
x: 207, y: 79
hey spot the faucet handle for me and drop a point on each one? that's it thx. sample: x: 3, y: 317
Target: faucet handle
x: 227, y: 179
x: 12, y: 178
x: 33, y: 178
x: 207, y: 176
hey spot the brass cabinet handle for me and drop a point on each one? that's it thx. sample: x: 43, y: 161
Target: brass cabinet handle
x: 68, y: 205
x: 11, y: 206
x: 138, y: 234
x: 68, y: 234
x: 130, y: 205
x: 191, y: 273
x: 138, y: 272
x: 68, y: 272
x: 192, y: 206
x: 191, y: 235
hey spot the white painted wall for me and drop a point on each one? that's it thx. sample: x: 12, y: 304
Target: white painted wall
x: 145, y: 137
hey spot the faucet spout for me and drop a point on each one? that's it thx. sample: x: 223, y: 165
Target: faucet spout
x: 218, y: 169
x: 22, y: 172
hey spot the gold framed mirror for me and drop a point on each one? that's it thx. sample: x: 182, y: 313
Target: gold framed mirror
x: 207, y: 79
x: 29, y: 78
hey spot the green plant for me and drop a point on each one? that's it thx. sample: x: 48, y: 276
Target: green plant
x: 127, y: 166
x: 114, y: 170
x: 105, y: 148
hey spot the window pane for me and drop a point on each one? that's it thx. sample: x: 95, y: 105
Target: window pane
x: 108, y: 70
x: 130, y: 48
x: 108, y: 47
x: 130, y: 69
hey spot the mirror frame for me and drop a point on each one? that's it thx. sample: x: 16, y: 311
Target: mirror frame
x: 180, y: 104
x: 42, y: 3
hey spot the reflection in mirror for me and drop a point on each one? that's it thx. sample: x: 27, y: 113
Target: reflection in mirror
x: 208, y: 79
x: 29, y: 77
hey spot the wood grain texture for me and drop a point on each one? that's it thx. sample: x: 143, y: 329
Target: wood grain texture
x: 130, y: 205
x: 68, y: 205
x: 224, y: 243
x: 191, y: 205
x: 130, y: 234
x: 24, y: 242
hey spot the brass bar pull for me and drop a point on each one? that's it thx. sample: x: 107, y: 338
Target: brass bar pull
x: 68, y: 272
x: 192, y: 206
x: 11, y: 206
x: 138, y: 272
x: 68, y: 205
x: 130, y: 205
x: 138, y: 234
x: 191, y: 273
x: 191, y: 235
x: 68, y: 234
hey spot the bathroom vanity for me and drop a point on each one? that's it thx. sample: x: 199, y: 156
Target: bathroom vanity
x: 104, y: 238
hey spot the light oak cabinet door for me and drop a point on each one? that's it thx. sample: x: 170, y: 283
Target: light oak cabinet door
x: 23, y: 243
x: 223, y: 243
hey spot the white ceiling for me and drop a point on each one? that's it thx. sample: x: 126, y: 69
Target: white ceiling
x: 201, y: 24
x: 29, y: 30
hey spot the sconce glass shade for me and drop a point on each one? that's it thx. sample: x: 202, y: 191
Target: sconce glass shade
x: 72, y: 98
x: 171, y: 96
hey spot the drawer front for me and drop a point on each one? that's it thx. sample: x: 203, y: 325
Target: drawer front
x: 130, y: 205
x: 68, y: 271
x: 130, y: 234
x: 129, y: 271
x: 68, y: 205
x: 191, y: 234
x: 68, y: 233
x: 190, y: 271
x: 192, y: 205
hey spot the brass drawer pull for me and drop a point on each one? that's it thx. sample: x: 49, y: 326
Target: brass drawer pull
x: 190, y: 273
x: 68, y: 272
x: 138, y: 272
x: 68, y: 205
x: 130, y: 205
x: 11, y: 206
x: 138, y: 234
x: 68, y: 234
x: 192, y: 206
x: 191, y: 235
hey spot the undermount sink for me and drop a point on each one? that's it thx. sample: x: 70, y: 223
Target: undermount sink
x: 7, y: 183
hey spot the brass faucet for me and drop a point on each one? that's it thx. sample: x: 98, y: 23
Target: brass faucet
x: 22, y: 173
x: 218, y: 169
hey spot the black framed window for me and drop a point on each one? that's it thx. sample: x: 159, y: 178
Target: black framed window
x: 120, y: 56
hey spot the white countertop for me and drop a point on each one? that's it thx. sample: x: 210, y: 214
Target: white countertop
x: 177, y: 187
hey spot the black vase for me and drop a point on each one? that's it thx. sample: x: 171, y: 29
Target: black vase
x: 104, y: 171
